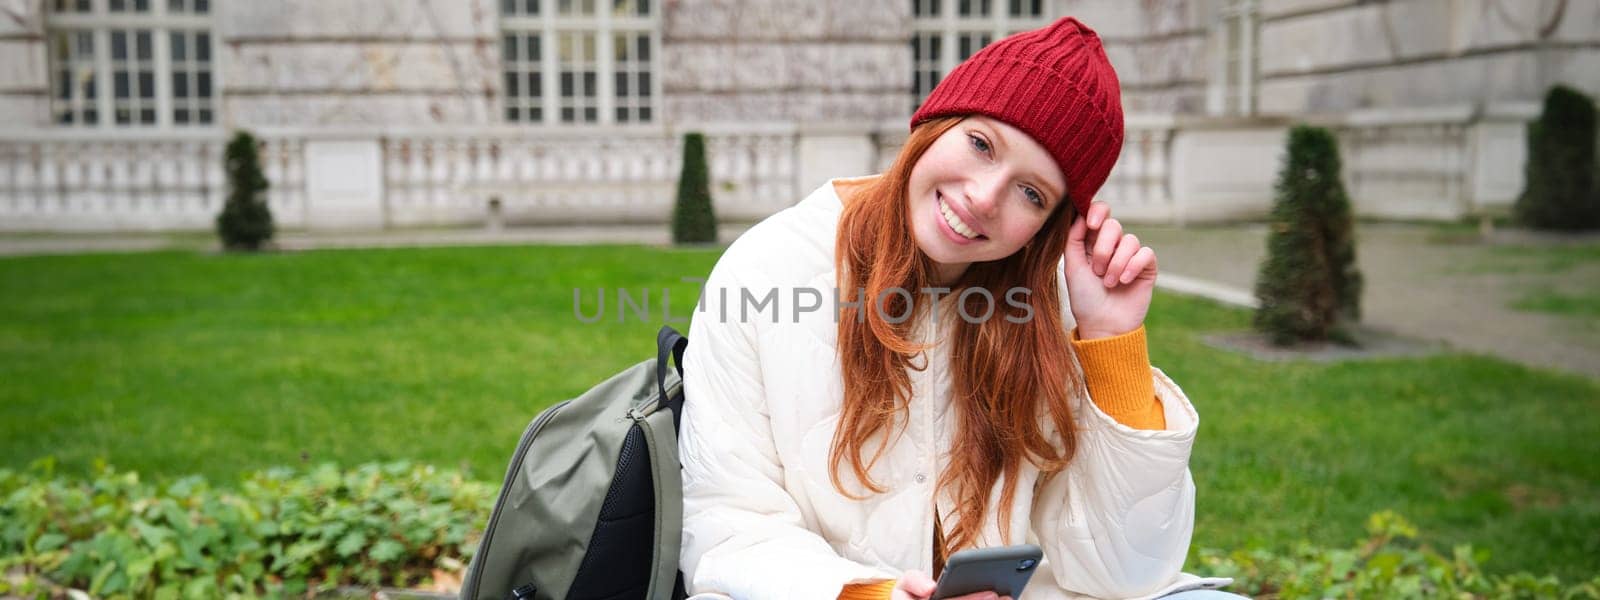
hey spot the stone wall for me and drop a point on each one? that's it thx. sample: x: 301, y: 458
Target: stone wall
x: 1330, y: 56
x: 1161, y: 50
x: 24, y: 75
x: 435, y: 62
x: 781, y: 60
x: 1340, y: 55
x: 400, y: 62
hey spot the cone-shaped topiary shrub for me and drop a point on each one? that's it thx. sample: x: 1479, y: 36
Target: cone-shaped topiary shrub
x: 1308, y: 285
x: 693, y: 220
x: 245, y: 222
x: 1559, y: 183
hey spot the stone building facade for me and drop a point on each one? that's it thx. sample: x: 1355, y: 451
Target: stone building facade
x: 393, y: 113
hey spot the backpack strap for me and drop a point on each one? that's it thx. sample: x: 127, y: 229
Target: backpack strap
x: 665, y: 576
x: 669, y: 341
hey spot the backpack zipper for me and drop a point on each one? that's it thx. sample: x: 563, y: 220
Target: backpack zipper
x: 649, y: 407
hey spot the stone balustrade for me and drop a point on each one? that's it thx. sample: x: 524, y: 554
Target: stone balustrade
x: 1443, y: 164
x: 68, y: 181
x: 87, y: 181
x: 579, y: 176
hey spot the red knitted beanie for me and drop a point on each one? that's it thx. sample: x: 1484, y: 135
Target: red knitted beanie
x: 1055, y: 84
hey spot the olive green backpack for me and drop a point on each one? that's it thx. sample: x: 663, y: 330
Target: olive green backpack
x: 592, y: 504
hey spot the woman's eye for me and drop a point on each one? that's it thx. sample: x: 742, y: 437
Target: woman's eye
x: 1034, y: 196
x: 979, y: 143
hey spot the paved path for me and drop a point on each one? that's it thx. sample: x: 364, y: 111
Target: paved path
x: 1416, y: 285
x: 24, y: 244
x: 15, y: 245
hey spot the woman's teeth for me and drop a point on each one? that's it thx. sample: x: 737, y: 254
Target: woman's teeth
x: 955, y: 222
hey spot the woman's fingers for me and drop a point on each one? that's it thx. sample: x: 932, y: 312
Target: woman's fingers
x: 1144, y: 261
x: 1097, y: 214
x: 1077, y: 256
x: 913, y: 585
x: 1105, y: 244
x: 1126, y: 248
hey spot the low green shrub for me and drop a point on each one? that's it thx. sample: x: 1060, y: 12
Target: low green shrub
x: 1388, y: 564
x: 285, y: 533
x: 280, y: 533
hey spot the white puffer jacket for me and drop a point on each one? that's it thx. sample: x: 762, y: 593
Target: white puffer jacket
x: 761, y: 518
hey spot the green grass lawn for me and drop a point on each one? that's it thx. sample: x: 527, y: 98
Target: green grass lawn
x: 179, y: 363
x: 1573, y: 295
x: 1584, y: 305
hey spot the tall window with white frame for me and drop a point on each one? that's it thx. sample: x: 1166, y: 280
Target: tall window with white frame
x: 946, y: 32
x: 579, y: 61
x: 1233, y: 72
x: 131, y: 63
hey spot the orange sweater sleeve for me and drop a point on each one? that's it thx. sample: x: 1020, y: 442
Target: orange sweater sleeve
x: 881, y: 590
x: 1117, y: 372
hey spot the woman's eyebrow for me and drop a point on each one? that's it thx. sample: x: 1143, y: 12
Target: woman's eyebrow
x: 1050, y: 190
x: 1000, y: 139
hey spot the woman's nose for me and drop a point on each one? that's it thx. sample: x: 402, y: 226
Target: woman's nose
x: 986, y: 195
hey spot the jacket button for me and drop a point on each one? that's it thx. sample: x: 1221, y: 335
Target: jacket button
x: 921, y: 478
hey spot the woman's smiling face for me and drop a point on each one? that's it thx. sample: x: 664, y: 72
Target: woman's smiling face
x: 979, y: 193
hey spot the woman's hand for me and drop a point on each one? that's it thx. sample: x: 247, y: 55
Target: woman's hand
x: 916, y: 585
x: 1110, y: 277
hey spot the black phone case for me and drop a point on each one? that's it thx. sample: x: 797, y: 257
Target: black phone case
x: 1005, y: 570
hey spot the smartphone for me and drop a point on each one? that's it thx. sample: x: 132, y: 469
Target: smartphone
x: 1005, y: 570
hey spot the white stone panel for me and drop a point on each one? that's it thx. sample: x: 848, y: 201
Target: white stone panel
x: 24, y: 110
x: 23, y: 65
x: 834, y: 154
x: 374, y: 66
x: 1501, y: 152
x: 344, y: 184
x: 1221, y: 174
x: 1407, y: 164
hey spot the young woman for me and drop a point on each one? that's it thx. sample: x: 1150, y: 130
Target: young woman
x: 947, y: 355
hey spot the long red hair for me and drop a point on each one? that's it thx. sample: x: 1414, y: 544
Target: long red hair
x: 1005, y: 375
